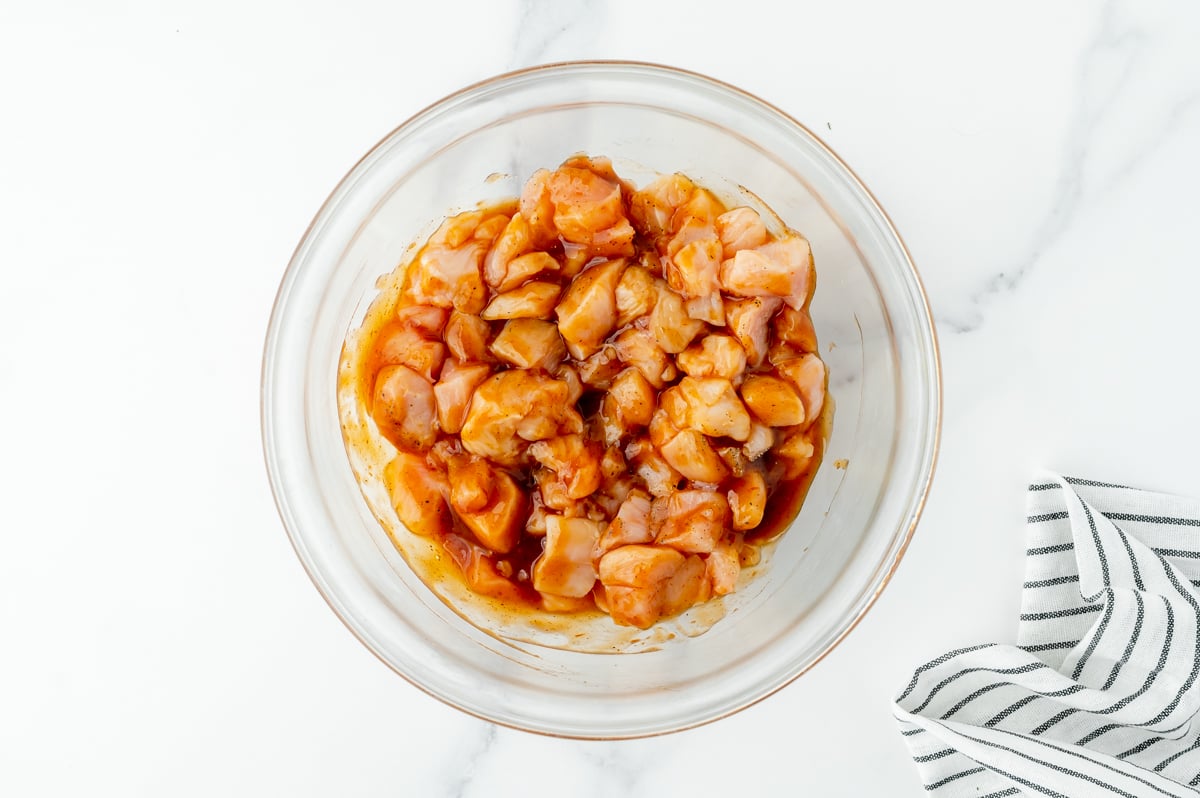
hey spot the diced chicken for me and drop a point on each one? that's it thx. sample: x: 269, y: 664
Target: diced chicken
x: 530, y: 344
x: 635, y: 294
x: 781, y: 268
x: 479, y: 570
x: 761, y: 439
x: 740, y: 228
x: 425, y: 319
x: 613, y: 466
x: 467, y: 337
x: 749, y: 554
x: 534, y: 300
x: 498, y: 523
x: 588, y: 311
x: 715, y: 355
x: 747, y: 498
x: 723, y: 567
x: 513, y: 407
x: 418, y: 493
x: 670, y: 324
x: 807, y: 375
x: 448, y: 270
x: 471, y: 483
x: 795, y: 454
x: 598, y: 370
x: 628, y: 405
x: 686, y: 588
x: 773, y: 401
x: 660, y: 478
x: 692, y: 455
x: 702, y: 206
x: 709, y: 308
x: 538, y: 209
x: 795, y: 328
x: 638, y: 348
x: 404, y: 407
x: 574, y: 461
x: 708, y: 405
x: 454, y: 390
x: 653, y: 207
x: 747, y: 320
x: 566, y: 604
x: 588, y: 210
x: 693, y: 270
x: 535, y: 524
x: 565, y: 566
x: 631, y: 523
x: 734, y: 458
x: 514, y: 240
x: 492, y: 226
x: 570, y: 375
x: 634, y: 578
x: 693, y: 520
x: 402, y: 345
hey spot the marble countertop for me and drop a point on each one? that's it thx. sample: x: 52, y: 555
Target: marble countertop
x: 159, y: 162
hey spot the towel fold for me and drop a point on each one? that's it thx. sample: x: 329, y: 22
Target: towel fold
x: 1099, y: 696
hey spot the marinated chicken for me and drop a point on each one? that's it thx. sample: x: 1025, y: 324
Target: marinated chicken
x: 601, y: 398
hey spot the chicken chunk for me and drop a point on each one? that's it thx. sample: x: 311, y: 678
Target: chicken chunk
x: 530, y: 344
x: 692, y: 520
x: 498, y: 523
x: 588, y: 311
x: 638, y: 348
x: 687, y: 587
x: 795, y: 454
x: 708, y: 405
x: 448, y: 271
x: 588, y: 210
x: 467, y: 337
x: 773, y: 401
x: 723, y: 568
x: 741, y: 228
x: 747, y: 498
x: 709, y: 308
x: 404, y: 407
x: 631, y: 524
x: 418, y: 494
x: 401, y: 345
x: 807, y: 374
x: 693, y: 270
x: 654, y: 206
x: 628, y: 405
x: 534, y: 300
x: 479, y: 570
x: 715, y: 355
x: 761, y: 439
x: 660, y: 478
x: 692, y: 455
x: 635, y: 294
x: 634, y: 578
x: 748, y: 320
x: 598, y: 370
x: 781, y: 268
x: 537, y: 208
x: 513, y: 407
x: 673, y: 329
x: 565, y: 566
x: 795, y: 328
x: 574, y: 461
x: 514, y: 241
x: 424, y: 319
x: 472, y: 483
x: 454, y: 390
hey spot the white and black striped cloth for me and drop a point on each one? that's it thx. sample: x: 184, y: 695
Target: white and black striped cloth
x: 1100, y: 696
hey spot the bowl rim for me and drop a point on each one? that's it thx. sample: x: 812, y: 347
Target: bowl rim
x: 934, y: 440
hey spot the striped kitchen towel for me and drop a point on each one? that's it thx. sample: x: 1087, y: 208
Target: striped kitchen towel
x: 1100, y: 695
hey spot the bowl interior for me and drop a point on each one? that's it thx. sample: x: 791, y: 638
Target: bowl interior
x: 876, y: 338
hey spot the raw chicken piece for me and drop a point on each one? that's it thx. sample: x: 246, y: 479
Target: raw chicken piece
x: 634, y: 577
x: 570, y: 375
x: 748, y: 500
x: 565, y: 567
x: 588, y: 311
x: 529, y: 344
x: 472, y: 483
x: 740, y: 228
x: 479, y: 570
x: 661, y: 479
x: 538, y: 209
x: 670, y: 324
x: 708, y: 405
x: 724, y: 566
x: 635, y: 294
x: 807, y: 375
x: 588, y: 210
x: 514, y: 241
x: 773, y: 401
x: 598, y: 370
x: 638, y: 348
x: 692, y: 455
x: 748, y: 320
x: 761, y: 439
x: 654, y: 206
x: 795, y: 454
x: 709, y: 308
x: 425, y: 319
x: 418, y: 494
x: 735, y: 458
x: 448, y: 270
x: 795, y: 328
x: 687, y: 587
x: 534, y: 300
x: 693, y: 270
x: 715, y: 355
x: 497, y: 525
x: 692, y: 520
x: 574, y: 461
x: 401, y: 345
x: 467, y: 336
x: 404, y: 407
x: 513, y: 407
x: 781, y: 268
x: 628, y: 405
x: 631, y: 523
x: 454, y: 390
x: 613, y: 467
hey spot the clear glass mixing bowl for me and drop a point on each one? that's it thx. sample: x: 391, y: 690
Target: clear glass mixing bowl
x: 870, y: 312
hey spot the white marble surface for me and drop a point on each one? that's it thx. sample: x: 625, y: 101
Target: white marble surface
x: 158, y: 163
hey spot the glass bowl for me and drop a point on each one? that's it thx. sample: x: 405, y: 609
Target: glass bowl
x: 870, y: 312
